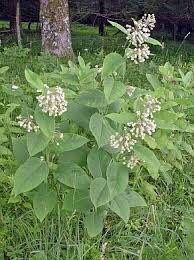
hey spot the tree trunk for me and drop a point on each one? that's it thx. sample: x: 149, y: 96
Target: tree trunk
x: 18, y: 24
x: 12, y: 15
x: 101, y: 18
x: 55, y: 27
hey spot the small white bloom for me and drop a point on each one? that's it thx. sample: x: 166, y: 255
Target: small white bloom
x: 139, y: 54
x: 130, y: 90
x: 14, y: 87
x: 27, y: 123
x: 131, y: 162
x: 53, y: 101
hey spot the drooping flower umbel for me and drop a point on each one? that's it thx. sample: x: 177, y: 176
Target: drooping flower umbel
x: 28, y: 123
x: 53, y: 102
x: 137, y: 35
x: 136, y: 131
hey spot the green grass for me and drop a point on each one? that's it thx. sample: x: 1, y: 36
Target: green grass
x: 151, y: 234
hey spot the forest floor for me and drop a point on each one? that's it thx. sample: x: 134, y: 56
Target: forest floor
x: 160, y: 237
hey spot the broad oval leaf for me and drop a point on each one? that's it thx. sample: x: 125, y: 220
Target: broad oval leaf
x: 73, y: 175
x: 100, y: 129
x: 45, y: 122
x: 29, y: 175
x: 99, y: 192
x: 118, y: 26
x: 113, y: 89
x: 79, y: 114
x: 92, y: 98
x: 20, y: 150
x: 44, y: 200
x: 71, y: 142
x: 77, y: 200
x: 153, y: 41
x: 122, y: 118
x: 150, y: 160
x: 34, y: 79
x: 117, y: 178
x: 97, y: 161
x: 134, y: 199
x: 154, y: 81
x: 36, y: 142
x: 120, y: 206
x: 112, y: 62
x: 94, y: 223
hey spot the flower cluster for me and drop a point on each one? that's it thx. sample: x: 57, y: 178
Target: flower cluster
x: 53, y: 101
x: 139, y: 54
x: 137, y: 35
x: 27, y: 123
x: 134, y: 131
x: 131, y: 162
x: 151, y: 106
x: 123, y: 142
x: 130, y: 90
x: 142, y: 127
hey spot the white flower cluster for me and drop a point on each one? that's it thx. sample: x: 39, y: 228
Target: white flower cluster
x: 27, y: 123
x: 142, y: 127
x: 131, y: 162
x: 137, y: 35
x: 123, y: 142
x: 130, y: 90
x: 151, y: 106
x: 53, y: 101
x: 139, y: 54
x: 145, y: 125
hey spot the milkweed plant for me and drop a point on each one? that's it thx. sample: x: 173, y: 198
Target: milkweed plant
x: 89, y: 136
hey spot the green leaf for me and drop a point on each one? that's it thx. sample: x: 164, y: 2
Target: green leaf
x: 98, y: 160
x: 100, y: 129
x: 44, y: 200
x: 120, y: 206
x: 92, y: 98
x: 154, y: 42
x: 99, y: 192
x: 45, y: 122
x: 20, y: 149
x: 118, y: 26
x: 71, y: 142
x: 79, y: 114
x: 77, y: 200
x: 78, y: 156
x: 36, y: 142
x: 34, y: 80
x: 113, y: 90
x: 73, y: 176
x: 134, y: 199
x: 154, y: 81
x: 4, y: 69
x: 117, y: 178
x: 112, y: 62
x: 29, y: 175
x: 122, y: 118
x: 94, y: 223
x: 148, y: 157
x: 150, y: 141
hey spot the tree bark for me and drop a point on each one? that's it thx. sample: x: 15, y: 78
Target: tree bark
x: 55, y: 27
x: 18, y: 24
x: 12, y: 15
x: 101, y: 18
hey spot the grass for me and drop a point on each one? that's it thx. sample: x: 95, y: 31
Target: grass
x: 154, y: 233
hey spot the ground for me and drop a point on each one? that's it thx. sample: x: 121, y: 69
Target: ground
x: 154, y: 233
